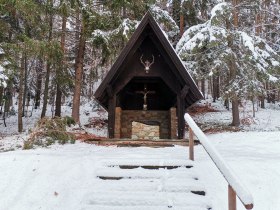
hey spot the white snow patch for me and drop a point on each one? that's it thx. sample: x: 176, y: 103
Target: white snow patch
x: 272, y: 78
x: 219, y: 8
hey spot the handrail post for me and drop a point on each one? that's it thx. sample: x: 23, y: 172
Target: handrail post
x: 231, y: 198
x: 235, y: 187
x: 191, y: 144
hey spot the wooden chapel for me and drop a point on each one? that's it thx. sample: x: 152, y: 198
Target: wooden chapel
x: 149, y: 84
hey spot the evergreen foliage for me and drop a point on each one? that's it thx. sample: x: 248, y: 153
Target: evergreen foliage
x: 233, y: 48
x: 48, y: 131
x: 212, y: 47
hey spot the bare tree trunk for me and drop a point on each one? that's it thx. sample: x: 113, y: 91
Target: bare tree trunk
x: 20, y: 94
x: 48, y: 70
x: 203, y: 87
x: 258, y: 22
x: 58, y: 87
x: 235, y: 13
x: 176, y: 8
x: 79, y: 75
x: 268, y: 92
x: 258, y: 33
x: 25, y: 87
x: 39, y: 69
x: 210, y: 87
x: 1, y: 95
x: 262, y: 101
x: 182, y: 25
x: 254, y: 111
x: 216, y: 88
x: 235, y: 112
x: 233, y: 73
x: 46, y: 90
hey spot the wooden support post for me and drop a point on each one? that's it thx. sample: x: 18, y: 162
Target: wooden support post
x: 181, y: 111
x: 191, y: 144
x: 231, y: 198
x: 111, y: 117
x: 111, y: 111
x: 180, y: 116
x: 117, y: 127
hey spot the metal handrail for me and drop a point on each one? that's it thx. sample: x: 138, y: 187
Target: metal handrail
x: 235, y: 185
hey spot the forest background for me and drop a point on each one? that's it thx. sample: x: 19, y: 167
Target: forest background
x: 55, y: 50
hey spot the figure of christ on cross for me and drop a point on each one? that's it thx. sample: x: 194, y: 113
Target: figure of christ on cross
x: 145, y: 95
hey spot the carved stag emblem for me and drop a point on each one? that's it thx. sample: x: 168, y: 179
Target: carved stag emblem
x: 147, y: 64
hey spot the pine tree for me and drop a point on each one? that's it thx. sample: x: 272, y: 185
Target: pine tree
x: 218, y: 47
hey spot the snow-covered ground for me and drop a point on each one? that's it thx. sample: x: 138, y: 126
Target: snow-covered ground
x: 61, y: 177
x: 255, y: 157
x: 267, y: 119
x: 88, y: 110
x: 10, y: 139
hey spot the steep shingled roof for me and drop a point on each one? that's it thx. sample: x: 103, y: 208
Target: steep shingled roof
x: 148, y: 21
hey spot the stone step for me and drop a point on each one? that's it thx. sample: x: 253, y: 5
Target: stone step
x: 148, y: 163
x: 143, y: 207
x: 156, y: 199
x: 149, y: 167
x: 147, y: 182
x: 139, y: 142
x: 186, y: 185
x: 140, y: 173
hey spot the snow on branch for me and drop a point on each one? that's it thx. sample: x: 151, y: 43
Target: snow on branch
x: 212, y: 47
x: 3, y: 77
x: 165, y: 21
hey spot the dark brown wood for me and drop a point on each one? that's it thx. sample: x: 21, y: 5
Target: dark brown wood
x: 191, y: 144
x: 180, y: 116
x: 20, y: 94
x: 216, y: 88
x: 48, y: 68
x: 111, y: 116
x: 235, y: 112
x: 181, y: 24
x: 25, y: 91
x: 39, y: 70
x: 184, y: 91
x: 170, y: 79
x: 109, y: 91
x: 111, y: 111
x: 58, y: 100
x: 146, y: 27
x: 249, y: 206
x: 79, y: 62
x: 231, y: 198
x: 167, y: 77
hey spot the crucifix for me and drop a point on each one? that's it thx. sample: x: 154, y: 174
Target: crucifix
x: 145, y: 93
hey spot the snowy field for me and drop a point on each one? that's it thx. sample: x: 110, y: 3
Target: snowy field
x: 61, y: 177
